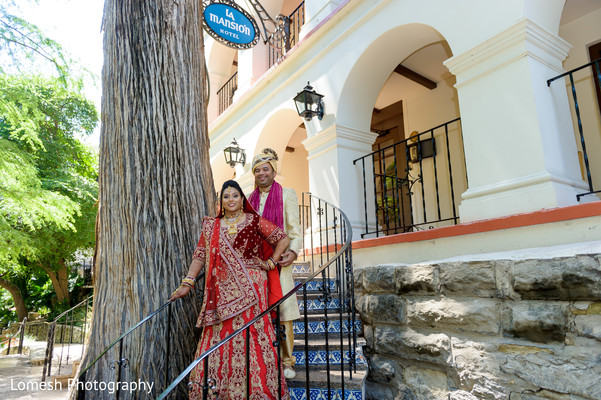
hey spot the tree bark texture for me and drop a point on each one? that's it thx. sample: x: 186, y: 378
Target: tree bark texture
x: 59, y: 279
x: 15, y: 292
x: 155, y: 187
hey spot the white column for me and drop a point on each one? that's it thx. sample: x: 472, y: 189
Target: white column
x: 519, y: 143
x: 252, y: 63
x: 334, y: 178
x: 315, y: 12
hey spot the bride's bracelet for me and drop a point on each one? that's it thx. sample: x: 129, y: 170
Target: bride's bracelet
x: 270, y: 264
x: 188, y: 281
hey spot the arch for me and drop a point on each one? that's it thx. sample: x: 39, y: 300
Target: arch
x: 374, y: 66
x: 277, y: 131
x: 284, y: 128
x: 546, y: 13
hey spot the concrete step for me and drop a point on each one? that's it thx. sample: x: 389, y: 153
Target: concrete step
x: 319, y: 378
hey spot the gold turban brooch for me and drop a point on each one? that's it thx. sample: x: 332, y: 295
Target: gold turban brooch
x: 266, y: 155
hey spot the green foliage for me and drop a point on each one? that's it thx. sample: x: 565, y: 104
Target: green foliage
x: 48, y: 181
x: 46, y: 174
x: 48, y: 178
x: 24, y: 47
x: 7, y: 313
x: 40, y: 291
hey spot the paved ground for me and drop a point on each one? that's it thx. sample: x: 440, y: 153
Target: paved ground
x: 20, y: 380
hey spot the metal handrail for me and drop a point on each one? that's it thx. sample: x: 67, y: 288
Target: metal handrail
x: 570, y: 74
x: 21, y: 333
x: 395, y: 209
x: 345, y: 248
x: 594, y: 62
x: 407, y: 140
x: 50, y: 338
x: 129, y: 331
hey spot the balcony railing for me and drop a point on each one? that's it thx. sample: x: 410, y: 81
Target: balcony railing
x: 414, y: 184
x: 226, y: 93
x: 292, y: 26
x: 588, y: 165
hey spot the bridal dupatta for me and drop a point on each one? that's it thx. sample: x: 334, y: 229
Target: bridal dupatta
x: 236, y: 291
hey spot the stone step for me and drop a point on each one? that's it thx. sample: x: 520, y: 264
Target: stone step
x: 319, y: 378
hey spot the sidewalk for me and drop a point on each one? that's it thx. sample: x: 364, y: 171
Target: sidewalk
x: 21, y: 375
x: 20, y: 380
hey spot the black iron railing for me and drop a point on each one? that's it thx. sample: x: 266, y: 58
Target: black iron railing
x: 67, y: 329
x: 292, y: 26
x: 37, y: 329
x: 116, y: 350
x: 583, y: 154
x: 327, y: 243
x: 414, y: 184
x: 329, y: 235
x: 226, y: 93
x: 20, y: 333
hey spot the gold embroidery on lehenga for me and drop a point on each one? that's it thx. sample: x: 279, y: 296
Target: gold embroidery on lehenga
x: 228, y: 365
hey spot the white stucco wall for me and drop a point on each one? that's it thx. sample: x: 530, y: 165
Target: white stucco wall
x: 348, y: 56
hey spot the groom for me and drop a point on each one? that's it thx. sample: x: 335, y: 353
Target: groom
x: 280, y: 206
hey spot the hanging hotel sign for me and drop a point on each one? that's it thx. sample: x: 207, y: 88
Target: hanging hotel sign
x: 230, y: 24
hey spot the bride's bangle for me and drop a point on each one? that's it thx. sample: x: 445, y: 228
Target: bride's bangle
x: 188, y: 281
x: 270, y: 263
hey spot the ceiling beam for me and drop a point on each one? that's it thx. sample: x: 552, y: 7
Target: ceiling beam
x: 415, y: 77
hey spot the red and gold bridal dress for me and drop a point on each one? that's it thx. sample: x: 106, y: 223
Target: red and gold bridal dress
x: 236, y: 290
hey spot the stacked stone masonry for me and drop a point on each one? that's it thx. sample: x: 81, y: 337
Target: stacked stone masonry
x: 498, y: 329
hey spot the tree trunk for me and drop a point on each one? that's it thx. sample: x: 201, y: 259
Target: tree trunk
x: 15, y: 292
x: 155, y: 187
x: 59, y: 279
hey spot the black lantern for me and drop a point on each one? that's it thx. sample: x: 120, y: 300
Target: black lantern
x: 234, y: 154
x: 308, y: 103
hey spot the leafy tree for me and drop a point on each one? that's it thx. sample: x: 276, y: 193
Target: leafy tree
x: 48, y: 181
x: 25, y: 48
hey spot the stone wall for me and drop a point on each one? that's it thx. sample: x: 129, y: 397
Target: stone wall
x: 499, y: 329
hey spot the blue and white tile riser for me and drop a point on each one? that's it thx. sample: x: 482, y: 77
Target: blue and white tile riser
x: 319, y: 357
x: 318, y: 327
x: 322, y: 394
x: 301, y: 269
x: 315, y: 304
x: 316, y: 285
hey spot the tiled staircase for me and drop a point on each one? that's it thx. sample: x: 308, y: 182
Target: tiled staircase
x: 316, y: 372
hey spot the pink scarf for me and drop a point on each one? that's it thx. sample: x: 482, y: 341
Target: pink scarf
x: 274, y: 206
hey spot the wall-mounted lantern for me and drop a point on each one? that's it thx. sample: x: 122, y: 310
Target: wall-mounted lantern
x: 309, y: 103
x: 234, y: 154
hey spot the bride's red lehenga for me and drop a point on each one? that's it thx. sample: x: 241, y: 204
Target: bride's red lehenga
x: 236, y: 291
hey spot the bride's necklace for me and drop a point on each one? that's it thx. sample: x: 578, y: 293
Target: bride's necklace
x: 232, y: 223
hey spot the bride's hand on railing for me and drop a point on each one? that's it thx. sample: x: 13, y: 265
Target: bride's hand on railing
x: 181, y: 291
